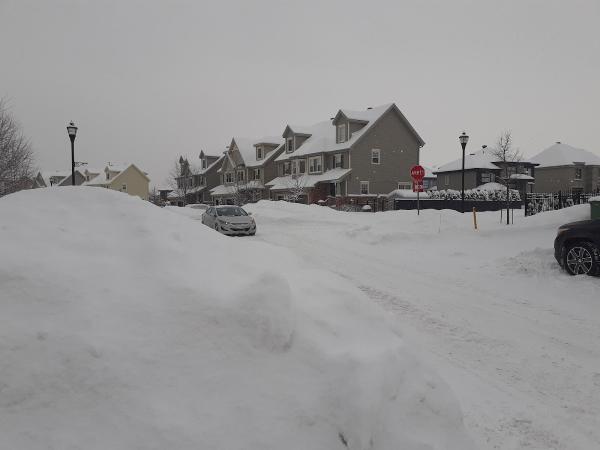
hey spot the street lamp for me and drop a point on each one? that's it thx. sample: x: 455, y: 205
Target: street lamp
x: 463, y: 138
x: 72, y: 130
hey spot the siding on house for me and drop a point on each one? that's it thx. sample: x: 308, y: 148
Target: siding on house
x: 399, y: 151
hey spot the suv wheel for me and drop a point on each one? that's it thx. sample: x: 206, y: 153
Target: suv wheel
x: 581, y: 258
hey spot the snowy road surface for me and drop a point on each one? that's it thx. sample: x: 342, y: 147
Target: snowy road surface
x: 517, y: 340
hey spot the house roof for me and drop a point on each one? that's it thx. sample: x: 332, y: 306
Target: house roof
x: 223, y: 189
x: 306, y: 180
x: 247, y: 149
x: 60, y: 174
x: 100, y: 179
x: 323, y: 137
x: 218, y: 161
x: 561, y: 154
x: 481, y: 159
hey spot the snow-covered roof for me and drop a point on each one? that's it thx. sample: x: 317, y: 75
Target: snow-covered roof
x: 223, y: 189
x: 247, y: 148
x: 429, y: 172
x: 521, y: 176
x: 218, y: 161
x: 322, y: 135
x: 307, y: 181
x: 561, y: 154
x: 481, y: 159
x: 100, y: 179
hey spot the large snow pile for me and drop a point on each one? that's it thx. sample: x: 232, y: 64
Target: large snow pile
x: 514, y: 336
x: 123, y: 325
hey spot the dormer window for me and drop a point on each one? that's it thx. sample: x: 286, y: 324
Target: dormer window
x: 340, y: 135
x: 289, y: 145
x: 204, y: 163
x: 259, y: 153
x: 107, y: 175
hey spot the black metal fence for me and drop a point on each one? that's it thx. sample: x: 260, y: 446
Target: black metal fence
x: 480, y: 205
x: 539, y: 202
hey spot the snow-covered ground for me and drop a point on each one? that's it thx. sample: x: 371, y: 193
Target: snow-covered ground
x: 517, y: 339
x: 125, y: 326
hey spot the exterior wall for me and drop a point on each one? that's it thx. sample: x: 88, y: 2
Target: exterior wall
x: 399, y: 152
x: 355, y: 126
x: 137, y: 184
x: 472, y: 177
x: 562, y: 178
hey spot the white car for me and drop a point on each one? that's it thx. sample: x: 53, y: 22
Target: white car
x: 230, y: 220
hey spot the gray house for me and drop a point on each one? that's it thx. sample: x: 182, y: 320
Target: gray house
x: 198, y: 182
x: 247, y: 165
x: 567, y: 169
x: 483, y: 167
x: 350, y: 159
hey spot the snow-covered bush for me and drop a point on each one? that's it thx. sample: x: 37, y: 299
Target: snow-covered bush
x: 478, y: 194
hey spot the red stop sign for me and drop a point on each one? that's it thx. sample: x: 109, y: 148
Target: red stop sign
x: 417, y: 173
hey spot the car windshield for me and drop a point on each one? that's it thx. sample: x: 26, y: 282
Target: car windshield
x: 231, y: 211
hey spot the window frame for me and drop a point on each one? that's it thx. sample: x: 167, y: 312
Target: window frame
x: 578, y: 173
x: 337, y: 156
x: 363, y: 183
x: 257, y: 173
x: 238, y: 172
x: 259, y: 153
x: 446, y: 180
x: 404, y: 185
x: 376, y: 151
x: 228, y: 177
x: 319, y: 168
x: 289, y: 145
x: 124, y: 188
x: 341, y: 134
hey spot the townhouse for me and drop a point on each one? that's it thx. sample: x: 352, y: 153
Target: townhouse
x: 58, y: 178
x: 352, y: 158
x: 247, y: 165
x: 567, y: 169
x: 482, y: 167
x: 195, y: 183
x: 126, y: 178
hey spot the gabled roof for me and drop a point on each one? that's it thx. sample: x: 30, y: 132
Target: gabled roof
x: 247, y: 148
x: 323, y: 137
x: 218, y: 161
x: 306, y: 180
x: 61, y: 175
x: 481, y: 159
x: 100, y: 179
x: 561, y: 154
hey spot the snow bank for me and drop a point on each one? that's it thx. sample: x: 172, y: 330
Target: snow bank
x: 123, y: 325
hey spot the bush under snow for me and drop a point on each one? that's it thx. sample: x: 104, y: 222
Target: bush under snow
x: 123, y: 325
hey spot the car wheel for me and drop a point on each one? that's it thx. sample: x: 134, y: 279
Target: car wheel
x: 217, y: 227
x: 581, y: 258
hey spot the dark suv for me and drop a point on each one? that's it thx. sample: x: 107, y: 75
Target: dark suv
x: 577, y: 247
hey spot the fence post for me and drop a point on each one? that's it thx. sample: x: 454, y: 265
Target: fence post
x: 526, y: 202
x: 475, y: 217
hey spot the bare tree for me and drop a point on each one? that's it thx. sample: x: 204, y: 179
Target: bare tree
x: 506, y: 154
x: 181, y: 178
x: 16, y: 155
x: 296, y: 188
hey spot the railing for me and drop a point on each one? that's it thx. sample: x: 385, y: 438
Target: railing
x: 540, y: 202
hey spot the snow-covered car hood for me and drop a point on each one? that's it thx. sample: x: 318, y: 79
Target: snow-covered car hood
x: 235, y: 219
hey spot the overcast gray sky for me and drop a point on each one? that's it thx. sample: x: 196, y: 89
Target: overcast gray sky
x: 148, y: 80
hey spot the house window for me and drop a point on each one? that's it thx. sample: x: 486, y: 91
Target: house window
x: 289, y: 145
x: 338, y: 161
x: 228, y: 177
x: 404, y: 185
x: 240, y: 175
x: 257, y: 174
x: 204, y: 163
x: 314, y: 164
x: 375, y: 156
x: 302, y: 166
x: 364, y: 187
x: 259, y: 153
x: 578, y: 174
x: 107, y: 175
x: 340, y: 135
x: 294, y: 167
x: 446, y: 180
x: 124, y: 188
x: 487, y: 177
x: 287, y: 169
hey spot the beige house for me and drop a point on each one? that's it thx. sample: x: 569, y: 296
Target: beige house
x: 120, y: 177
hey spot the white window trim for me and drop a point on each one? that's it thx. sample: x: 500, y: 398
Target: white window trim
x: 288, y: 148
x: 124, y: 188
x: 361, y: 186
x: 227, y: 175
x: 313, y: 158
x: 259, y: 149
x: 404, y: 185
x: 376, y: 151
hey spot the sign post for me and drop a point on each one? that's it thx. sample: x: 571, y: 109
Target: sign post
x: 417, y: 173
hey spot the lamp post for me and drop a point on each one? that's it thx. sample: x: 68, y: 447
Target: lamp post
x: 463, y: 138
x: 72, y: 130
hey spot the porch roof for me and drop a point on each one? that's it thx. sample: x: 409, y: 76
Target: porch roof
x: 306, y: 180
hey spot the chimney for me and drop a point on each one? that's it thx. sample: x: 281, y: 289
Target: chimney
x: 558, y: 142
x: 370, y: 107
x: 484, y: 146
x: 331, y: 118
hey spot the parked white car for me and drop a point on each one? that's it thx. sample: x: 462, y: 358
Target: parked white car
x: 230, y: 220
